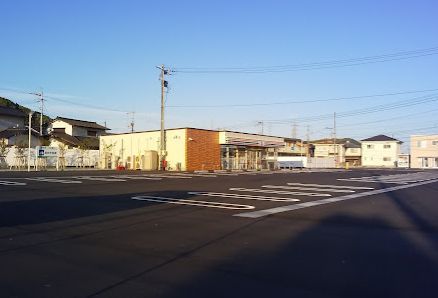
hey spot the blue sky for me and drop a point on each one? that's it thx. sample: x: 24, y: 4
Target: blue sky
x: 104, y: 53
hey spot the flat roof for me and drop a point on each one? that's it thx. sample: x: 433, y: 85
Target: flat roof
x: 213, y: 130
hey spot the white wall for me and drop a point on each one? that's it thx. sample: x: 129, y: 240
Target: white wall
x: 61, y: 124
x: 374, y: 157
x: 73, y: 158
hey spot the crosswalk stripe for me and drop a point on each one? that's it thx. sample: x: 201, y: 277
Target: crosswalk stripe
x: 309, y: 194
x: 54, y: 180
x: 330, y: 186
x: 244, y: 197
x: 308, y: 188
x: 193, y: 203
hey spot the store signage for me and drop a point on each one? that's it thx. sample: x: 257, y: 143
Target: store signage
x: 46, y: 151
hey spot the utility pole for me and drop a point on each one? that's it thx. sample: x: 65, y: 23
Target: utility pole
x: 164, y: 83
x: 132, y: 123
x: 334, y: 139
x: 308, y: 140
x: 29, y: 140
x: 41, y: 100
x: 261, y: 126
x: 294, y: 131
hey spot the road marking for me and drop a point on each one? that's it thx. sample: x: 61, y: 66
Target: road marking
x: 135, y: 177
x: 167, y: 176
x: 307, y: 188
x: 330, y: 186
x: 12, y: 183
x: 244, y: 197
x: 193, y: 203
x: 194, y: 175
x: 99, y: 179
x: 261, y: 213
x: 371, y: 181
x: 50, y: 180
x: 283, y: 192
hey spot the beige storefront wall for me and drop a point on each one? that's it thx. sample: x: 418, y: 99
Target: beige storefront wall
x: 130, y: 149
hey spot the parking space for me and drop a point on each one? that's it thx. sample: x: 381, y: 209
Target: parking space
x: 268, y: 199
x: 20, y: 181
x: 251, y: 194
x: 143, y: 227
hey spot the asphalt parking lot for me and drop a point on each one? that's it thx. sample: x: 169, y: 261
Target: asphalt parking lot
x: 322, y: 233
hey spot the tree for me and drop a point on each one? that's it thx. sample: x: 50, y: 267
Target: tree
x: 4, y: 150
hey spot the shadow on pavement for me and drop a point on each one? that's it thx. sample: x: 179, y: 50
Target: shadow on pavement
x: 38, y: 211
x: 331, y: 259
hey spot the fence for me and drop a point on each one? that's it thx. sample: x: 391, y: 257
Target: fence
x: 72, y: 158
x: 305, y: 162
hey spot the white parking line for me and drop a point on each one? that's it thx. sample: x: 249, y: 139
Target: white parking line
x: 308, y: 188
x: 282, y: 192
x: 99, y: 179
x: 194, y: 175
x: 50, y: 180
x: 167, y: 176
x: 136, y: 177
x: 261, y: 213
x: 12, y: 183
x: 330, y: 186
x: 193, y: 203
x: 371, y: 181
x: 240, y: 196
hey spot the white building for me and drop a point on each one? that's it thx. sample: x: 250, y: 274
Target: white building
x: 190, y: 149
x: 424, y: 151
x: 342, y: 150
x: 75, y: 133
x: 380, y: 151
x: 78, y: 128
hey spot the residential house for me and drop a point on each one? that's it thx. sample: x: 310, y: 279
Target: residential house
x: 380, y: 151
x: 424, y: 151
x: 10, y: 117
x: 342, y: 150
x: 19, y: 136
x: 293, y: 147
x: 74, y: 133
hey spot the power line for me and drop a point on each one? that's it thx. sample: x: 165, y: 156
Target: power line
x: 305, y: 101
x: 95, y: 107
x: 315, y: 65
x: 388, y: 119
x: 357, y: 112
x: 372, y: 109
